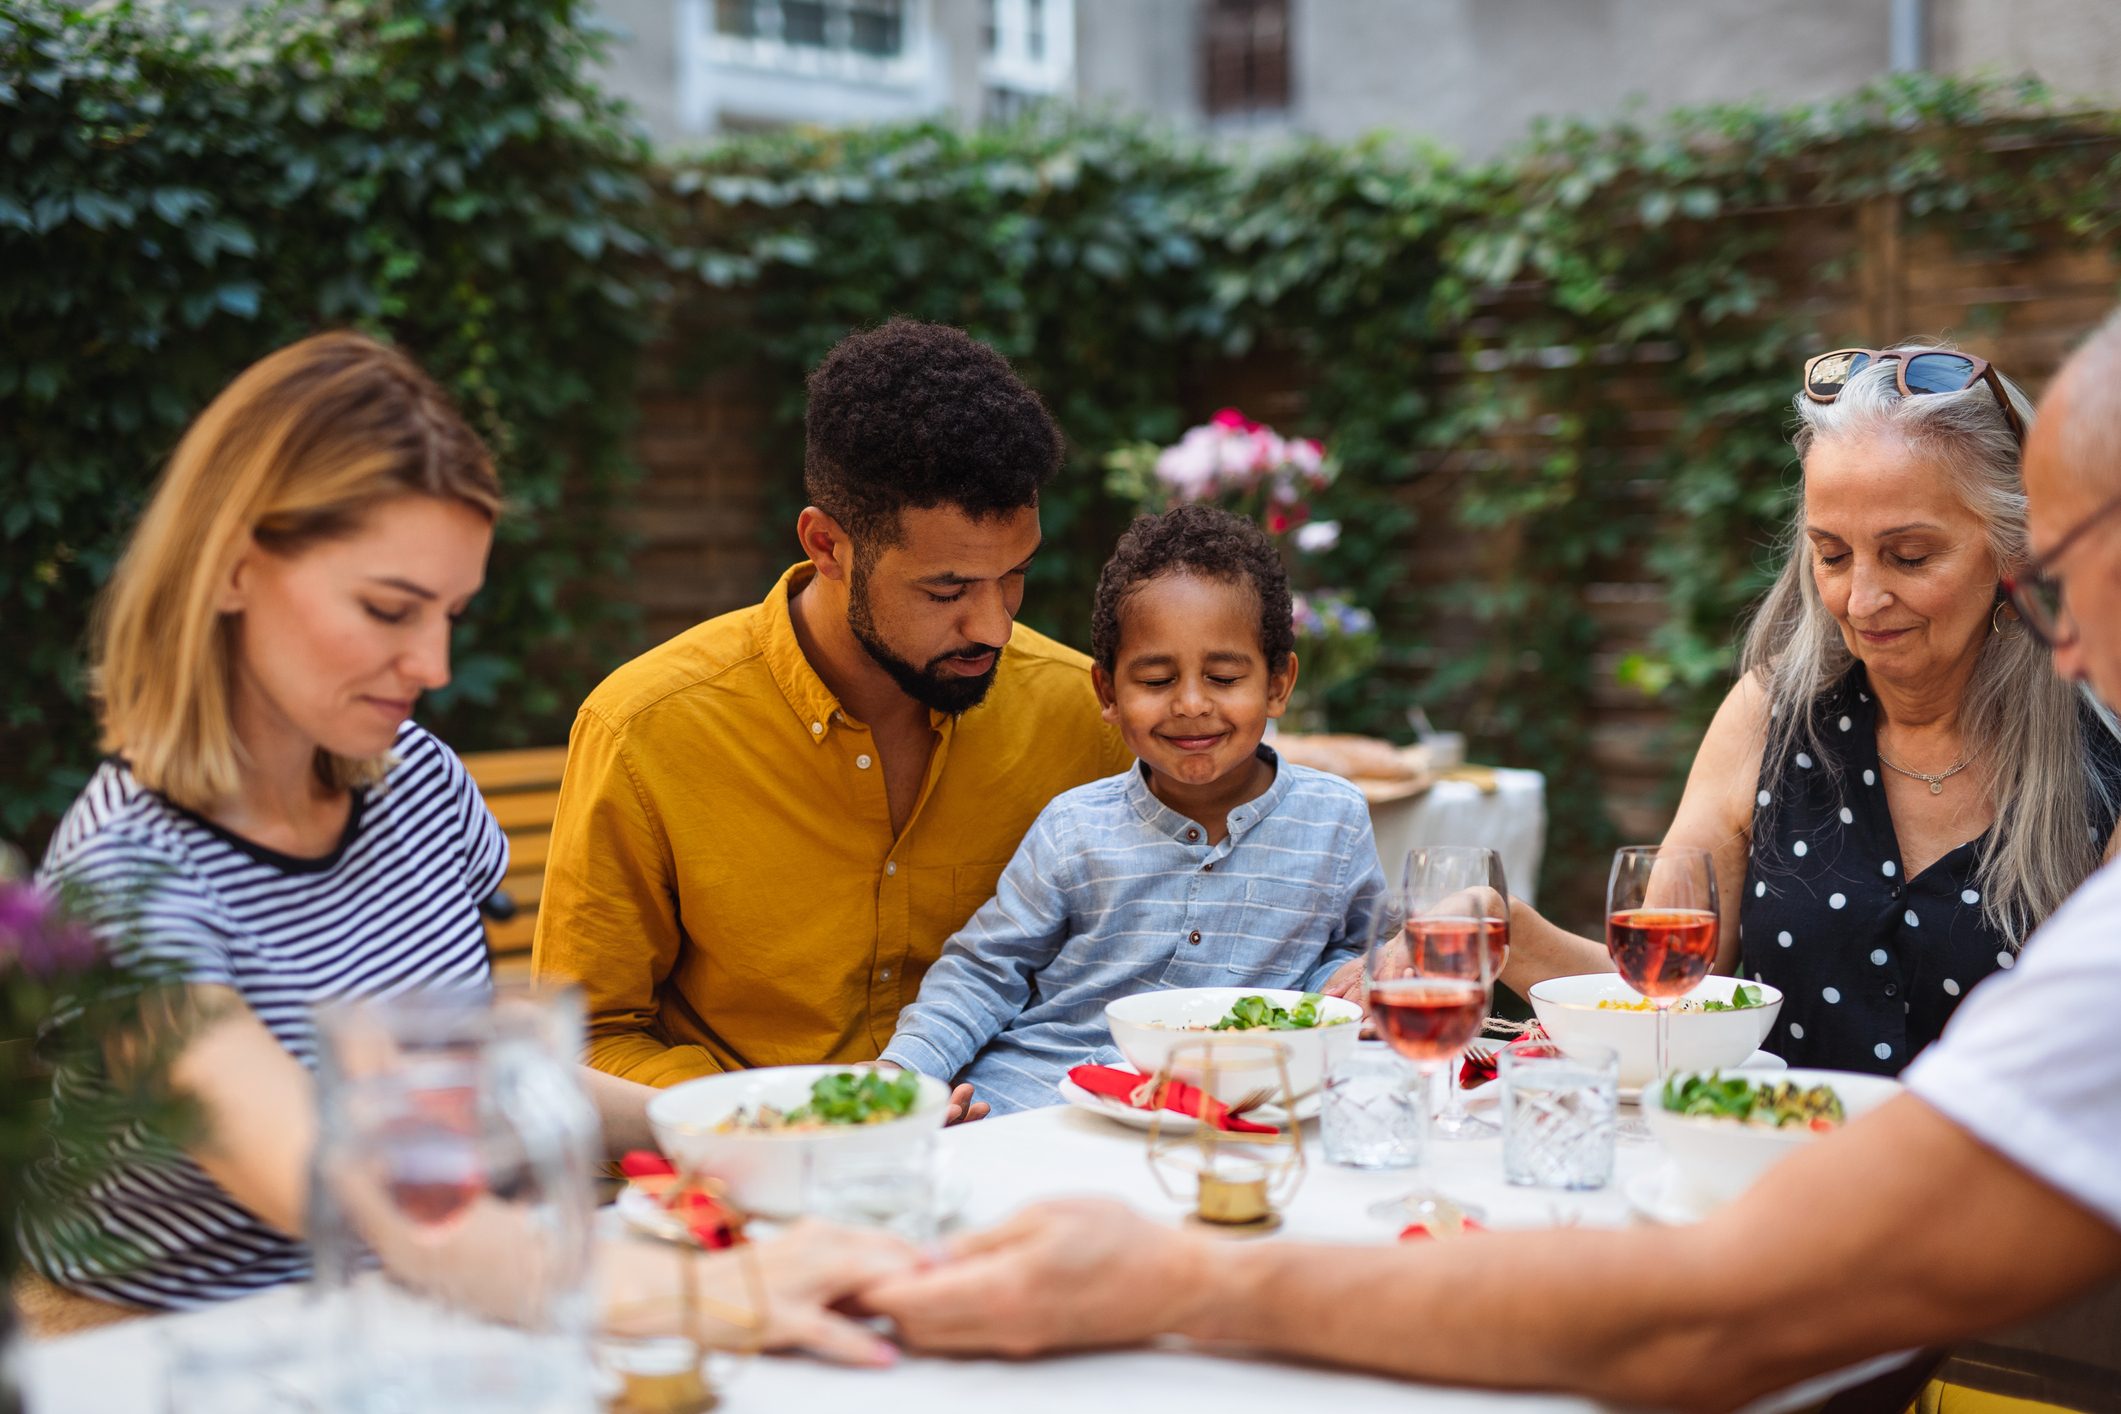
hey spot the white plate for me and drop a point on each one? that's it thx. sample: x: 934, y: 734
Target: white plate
x: 1758, y: 1060
x: 1661, y: 1196
x: 639, y: 1210
x: 1174, y: 1122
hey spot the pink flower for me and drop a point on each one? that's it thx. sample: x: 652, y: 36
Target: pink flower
x: 1233, y: 420
x: 40, y: 938
x: 1190, y: 467
x: 1238, y: 458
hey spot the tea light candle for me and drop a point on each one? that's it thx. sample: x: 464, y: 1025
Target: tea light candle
x: 659, y: 1377
x: 1233, y: 1199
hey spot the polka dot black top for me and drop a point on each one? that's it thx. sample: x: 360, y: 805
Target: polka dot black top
x: 1870, y: 964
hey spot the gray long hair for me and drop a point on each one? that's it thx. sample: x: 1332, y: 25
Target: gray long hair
x: 2020, y: 718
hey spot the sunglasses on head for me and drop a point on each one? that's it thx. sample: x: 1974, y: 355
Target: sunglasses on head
x: 1918, y: 370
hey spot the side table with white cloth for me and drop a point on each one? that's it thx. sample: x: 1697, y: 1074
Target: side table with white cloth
x: 1498, y: 808
x: 1001, y: 1165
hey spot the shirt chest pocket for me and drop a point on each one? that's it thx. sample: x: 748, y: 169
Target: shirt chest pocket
x: 1271, y: 934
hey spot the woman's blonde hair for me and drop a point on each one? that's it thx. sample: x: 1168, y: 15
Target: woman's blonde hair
x: 2023, y: 724
x: 295, y: 451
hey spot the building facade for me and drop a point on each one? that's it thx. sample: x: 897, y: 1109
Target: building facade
x: 1471, y: 75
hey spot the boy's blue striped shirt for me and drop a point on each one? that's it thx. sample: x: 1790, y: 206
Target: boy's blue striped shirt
x: 1107, y: 896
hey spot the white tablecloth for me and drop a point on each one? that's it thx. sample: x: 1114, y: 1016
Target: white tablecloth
x: 1007, y: 1163
x: 1512, y: 822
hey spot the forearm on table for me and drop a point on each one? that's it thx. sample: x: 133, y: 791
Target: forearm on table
x: 647, y: 1059
x: 1834, y: 1257
x: 966, y: 1000
x: 622, y: 1110
x: 257, y: 1112
x: 1540, y: 949
x: 940, y: 1033
x: 1514, y: 1310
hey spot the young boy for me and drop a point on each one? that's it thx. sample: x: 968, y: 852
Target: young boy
x: 1210, y: 863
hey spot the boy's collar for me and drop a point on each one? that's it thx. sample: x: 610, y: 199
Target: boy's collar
x: 1170, y: 823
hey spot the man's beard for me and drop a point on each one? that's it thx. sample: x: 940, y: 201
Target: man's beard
x: 951, y: 693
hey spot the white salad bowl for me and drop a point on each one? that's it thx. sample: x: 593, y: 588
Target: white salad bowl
x: 1717, y: 1159
x: 765, y: 1169
x: 1146, y: 1025
x: 1701, y: 1040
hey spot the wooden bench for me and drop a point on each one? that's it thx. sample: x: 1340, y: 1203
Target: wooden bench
x: 522, y: 788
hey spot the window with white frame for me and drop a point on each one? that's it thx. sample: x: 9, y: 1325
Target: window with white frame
x: 848, y: 38
x: 1029, y: 51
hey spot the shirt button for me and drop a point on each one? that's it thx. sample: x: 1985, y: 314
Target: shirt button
x: 1891, y: 990
x: 1192, y: 834
x: 817, y: 728
x: 890, y: 866
x: 1207, y: 869
x: 1897, y: 891
x: 862, y: 762
x: 1194, y: 936
x: 885, y: 975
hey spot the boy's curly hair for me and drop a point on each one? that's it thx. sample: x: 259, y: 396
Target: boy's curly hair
x: 918, y: 415
x: 1201, y: 540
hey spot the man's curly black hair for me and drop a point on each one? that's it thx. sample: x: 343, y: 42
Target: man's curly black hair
x: 913, y: 415
x: 1200, y: 540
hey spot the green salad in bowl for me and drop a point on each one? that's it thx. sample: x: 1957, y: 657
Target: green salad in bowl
x: 1777, y: 1103
x: 1256, y: 1013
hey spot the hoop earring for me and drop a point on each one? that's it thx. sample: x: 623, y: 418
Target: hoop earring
x: 1995, y: 618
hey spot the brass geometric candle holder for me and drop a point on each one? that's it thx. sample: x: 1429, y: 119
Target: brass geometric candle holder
x: 657, y: 1356
x: 1239, y: 1181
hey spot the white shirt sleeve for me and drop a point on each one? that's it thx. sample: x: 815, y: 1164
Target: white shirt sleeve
x: 2028, y: 1063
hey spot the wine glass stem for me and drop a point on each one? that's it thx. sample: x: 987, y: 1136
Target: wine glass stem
x: 1664, y: 1041
x: 1453, y: 1108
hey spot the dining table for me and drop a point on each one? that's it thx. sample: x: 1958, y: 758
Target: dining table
x: 986, y: 1171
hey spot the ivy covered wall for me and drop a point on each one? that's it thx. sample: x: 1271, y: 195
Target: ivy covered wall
x: 176, y: 201
x: 1557, y: 383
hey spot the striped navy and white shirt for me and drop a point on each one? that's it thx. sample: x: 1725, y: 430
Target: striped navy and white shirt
x: 393, y: 908
x: 1114, y: 892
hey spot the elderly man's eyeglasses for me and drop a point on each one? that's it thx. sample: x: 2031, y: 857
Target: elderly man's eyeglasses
x: 1918, y: 372
x: 2036, y: 591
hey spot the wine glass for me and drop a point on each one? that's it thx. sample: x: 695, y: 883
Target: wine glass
x: 1431, y: 977
x: 1661, y: 927
x: 1456, y: 900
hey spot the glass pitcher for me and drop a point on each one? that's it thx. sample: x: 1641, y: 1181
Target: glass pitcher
x: 451, y: 1204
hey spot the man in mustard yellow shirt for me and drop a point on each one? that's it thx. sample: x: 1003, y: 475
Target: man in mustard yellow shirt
x: 770, y: 824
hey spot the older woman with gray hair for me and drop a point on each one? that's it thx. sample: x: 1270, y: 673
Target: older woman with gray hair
x: 1898, y: 789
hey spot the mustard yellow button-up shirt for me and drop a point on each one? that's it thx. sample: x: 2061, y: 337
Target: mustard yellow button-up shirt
x: 723, y: 881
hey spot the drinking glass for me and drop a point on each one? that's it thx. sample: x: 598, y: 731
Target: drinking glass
x: 1431, y: 976
x: 1558, y: 1111
x: 1372, y: 1115
x: 1456, y: 899
x: 892, y: 1187
x: 1661, y: 927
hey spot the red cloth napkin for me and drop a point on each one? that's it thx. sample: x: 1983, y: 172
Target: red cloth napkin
x: 1175, y: 1095
x: 645, y: 1163
x: 1419, y: 1230
x: 712, y: 1223
x: 1472, y: 1072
